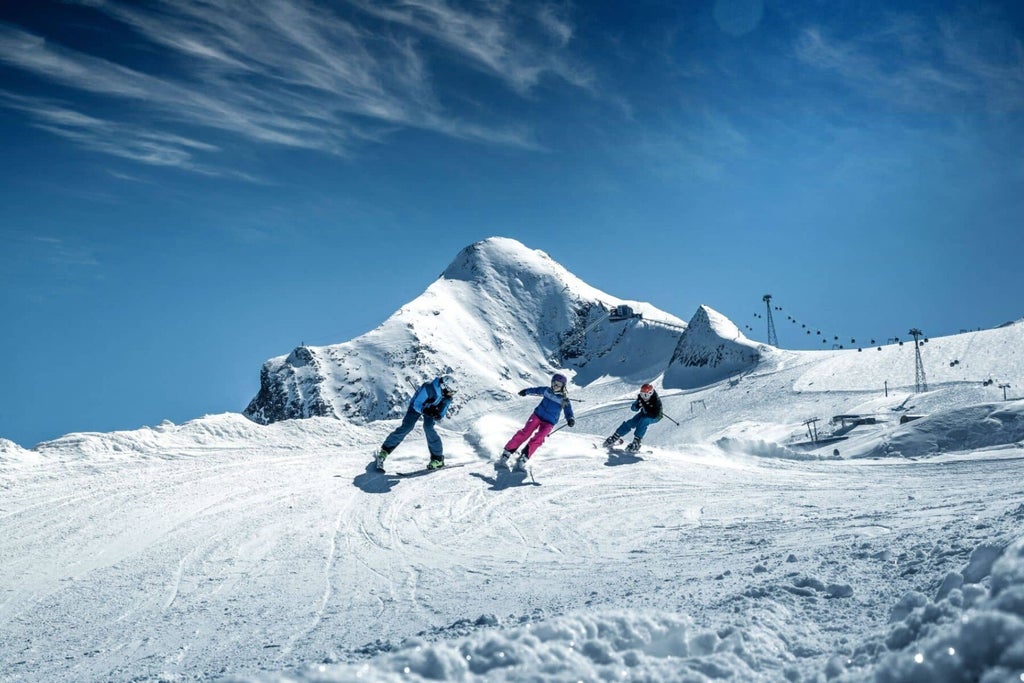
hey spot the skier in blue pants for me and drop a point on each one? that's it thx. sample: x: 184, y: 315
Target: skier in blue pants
x: 431, y: 402
x: 648, y: 411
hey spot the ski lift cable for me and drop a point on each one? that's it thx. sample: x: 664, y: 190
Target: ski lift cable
x: 795, y: 321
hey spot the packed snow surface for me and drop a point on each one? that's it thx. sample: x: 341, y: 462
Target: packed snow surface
x: 221, y: 548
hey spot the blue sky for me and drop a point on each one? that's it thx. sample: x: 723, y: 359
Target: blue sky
x: 187, y: 190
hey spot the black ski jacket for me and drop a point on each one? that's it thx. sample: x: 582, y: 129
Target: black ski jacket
x: 651, y: 407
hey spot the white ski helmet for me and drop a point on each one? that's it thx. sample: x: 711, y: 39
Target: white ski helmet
x: 448, y: 384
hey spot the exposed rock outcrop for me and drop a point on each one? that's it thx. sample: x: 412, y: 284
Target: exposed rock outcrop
x: 711, y: 349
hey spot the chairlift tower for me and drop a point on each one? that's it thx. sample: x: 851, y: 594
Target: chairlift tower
x: 773, y: 339
x: 812, y: 428
x: 920, y: 381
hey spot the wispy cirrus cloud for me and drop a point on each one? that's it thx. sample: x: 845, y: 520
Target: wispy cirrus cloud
x: 295, y: 73
x: 950, y: 63
x: 489, y: 39
x: 144, y: 145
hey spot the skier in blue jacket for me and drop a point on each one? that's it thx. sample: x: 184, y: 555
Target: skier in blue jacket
x: 555, y: 401
x: 431, y: 402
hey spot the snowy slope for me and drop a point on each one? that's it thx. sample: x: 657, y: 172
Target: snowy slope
x: 734, y: 547
x: 221, y: 548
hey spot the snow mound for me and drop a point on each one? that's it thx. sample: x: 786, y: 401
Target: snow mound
x: 970, y: 632
x: 986, y: 425
x: 608, y: 646
x: 13, y: 454
x: 711, y: 349
x: 8, y: 447
x: 224, y: 431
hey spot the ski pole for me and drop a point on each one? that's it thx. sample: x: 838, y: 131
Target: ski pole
x: 559, y: 427
x: 673, y: 421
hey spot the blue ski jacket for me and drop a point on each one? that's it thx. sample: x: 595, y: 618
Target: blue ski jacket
x: 430, y: 400
x: 551, y: 406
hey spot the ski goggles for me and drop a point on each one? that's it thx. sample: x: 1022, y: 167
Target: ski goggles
x: 556, y: 385
x: 647, y: 394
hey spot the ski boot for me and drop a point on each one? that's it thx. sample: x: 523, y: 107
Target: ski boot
x: 381, y: 456
x: 613, y: 440
x: 435, y: 463
x: 503, y: 460
x: 634, y: 446
x: 521, y: 462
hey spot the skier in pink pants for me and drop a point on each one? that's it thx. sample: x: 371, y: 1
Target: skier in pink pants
x: 555, y: 400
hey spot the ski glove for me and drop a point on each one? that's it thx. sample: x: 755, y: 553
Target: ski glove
x: 571, y: 422
x: 433, y: 412
x: 522, y: 392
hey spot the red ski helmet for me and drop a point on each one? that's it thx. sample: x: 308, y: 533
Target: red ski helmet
x: 647, y: 391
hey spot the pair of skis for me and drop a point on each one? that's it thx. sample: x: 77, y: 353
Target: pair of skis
x: 427, y: 470
x: 619, y: 450
x: 415, y: 473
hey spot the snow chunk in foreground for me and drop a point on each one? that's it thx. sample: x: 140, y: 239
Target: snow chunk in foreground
x: 973, y: 634
x: 594, y: 647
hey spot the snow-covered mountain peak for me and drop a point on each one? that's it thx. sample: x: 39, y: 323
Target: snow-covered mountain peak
x: 499, y: 255
x: 501, y: 316
x: 708, y: 324
x: 506, y: 267
x: 711, y: 349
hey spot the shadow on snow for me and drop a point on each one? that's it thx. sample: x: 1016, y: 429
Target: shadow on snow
x: 503, y: 479
x: 375, y: 481
x: 615, y: 459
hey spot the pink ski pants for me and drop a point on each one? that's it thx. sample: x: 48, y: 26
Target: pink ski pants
x: 534, y: 423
